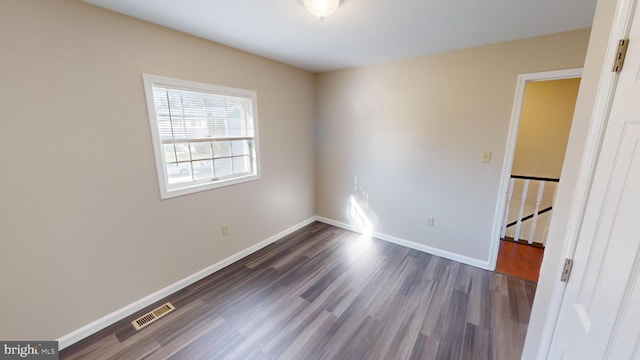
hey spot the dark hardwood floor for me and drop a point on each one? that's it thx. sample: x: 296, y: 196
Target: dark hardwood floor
x: 519, y: 260
x: 327, y: 293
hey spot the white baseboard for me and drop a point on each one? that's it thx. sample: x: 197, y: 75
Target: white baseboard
x: 410, y: 244
x: 122, y: 313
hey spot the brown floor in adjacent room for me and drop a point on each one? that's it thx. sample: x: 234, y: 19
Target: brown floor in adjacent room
x: 519, y: 260
x: 327, y: 293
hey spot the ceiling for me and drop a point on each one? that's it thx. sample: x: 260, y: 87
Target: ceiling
x: 360, y: 32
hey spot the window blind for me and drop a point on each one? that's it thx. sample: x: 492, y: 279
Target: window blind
x: 205, y: 136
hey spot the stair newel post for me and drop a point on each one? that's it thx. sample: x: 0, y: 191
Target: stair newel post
x: 506, y: 210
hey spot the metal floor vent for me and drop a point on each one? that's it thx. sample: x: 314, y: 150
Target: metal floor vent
x: 152, y: 316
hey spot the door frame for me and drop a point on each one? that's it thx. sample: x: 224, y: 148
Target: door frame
x: 510, y: 149
x: 546, y: 307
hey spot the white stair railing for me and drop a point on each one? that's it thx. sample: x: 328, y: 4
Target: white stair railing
x: 527, y: 204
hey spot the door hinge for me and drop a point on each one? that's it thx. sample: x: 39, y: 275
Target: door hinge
x: 566, y: 271
x: 621, y: 52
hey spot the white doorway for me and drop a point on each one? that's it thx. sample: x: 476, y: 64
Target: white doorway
x: 612, y: 23
x: 599, y: 314
x: 505, y: 182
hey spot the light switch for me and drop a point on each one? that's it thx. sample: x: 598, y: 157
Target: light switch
x: 486, y: 157
x: 431, y: 221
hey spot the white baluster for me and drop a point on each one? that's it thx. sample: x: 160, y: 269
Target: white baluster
x: 525, y: 189
x: 532, y: 230
x: 546, y: 229
x: 553, y: 203
x: 506, y: 210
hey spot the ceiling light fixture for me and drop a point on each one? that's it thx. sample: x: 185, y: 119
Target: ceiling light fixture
x: 321, y: 8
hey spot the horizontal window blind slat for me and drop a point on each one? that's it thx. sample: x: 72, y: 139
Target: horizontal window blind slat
x: 205, y: 139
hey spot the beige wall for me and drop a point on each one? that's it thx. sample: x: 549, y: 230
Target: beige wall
x: 543, y: 131
x: 83, y: 230
x: 412, y: 133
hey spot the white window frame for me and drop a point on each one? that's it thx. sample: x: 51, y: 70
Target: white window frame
x: 167, y: 191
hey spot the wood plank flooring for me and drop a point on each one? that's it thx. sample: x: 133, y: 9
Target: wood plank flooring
x: 519, y: 260
x: 327, y: 293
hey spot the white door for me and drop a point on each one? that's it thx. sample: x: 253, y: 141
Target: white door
x: 600, y: 312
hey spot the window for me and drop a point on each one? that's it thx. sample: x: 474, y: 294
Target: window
x: 204, y: 136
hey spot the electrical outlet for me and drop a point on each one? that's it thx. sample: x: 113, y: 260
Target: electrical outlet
x: 431, y: 221
x: 225, y: 230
